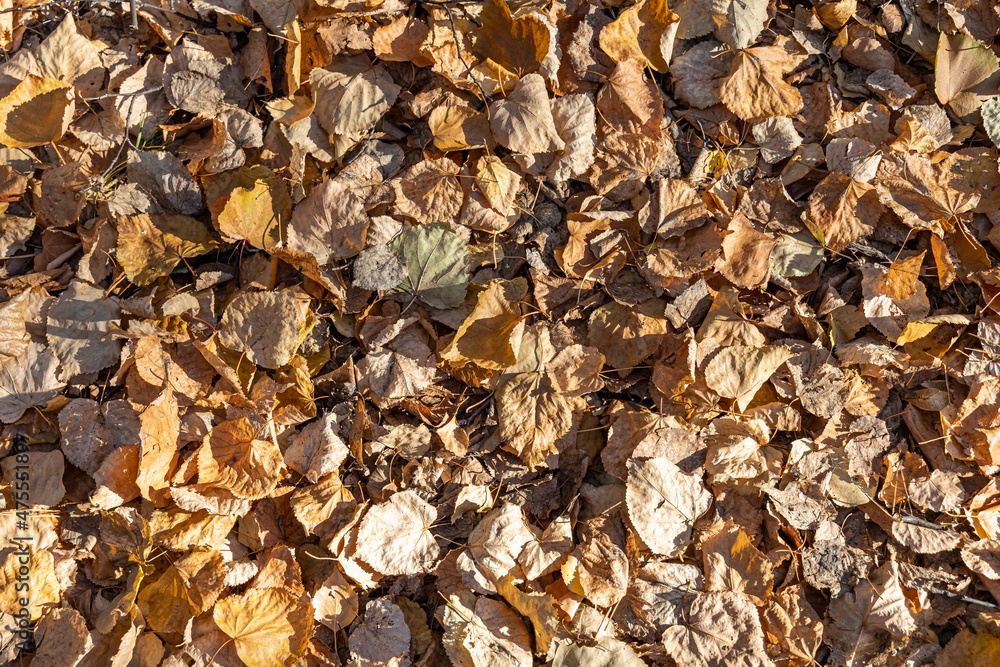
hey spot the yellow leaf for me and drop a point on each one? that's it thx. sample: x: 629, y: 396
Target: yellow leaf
x: 268, y: 626
x: 638, y: 32
x: 37, y: 112
x: 902, y: 277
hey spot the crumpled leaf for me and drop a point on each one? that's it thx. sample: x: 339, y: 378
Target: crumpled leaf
x: 481, y: 632
x: 238, y: 456
x: 533, y: 418
x: 429, y: 191
x: 351, y: 95
x: 383, y: 638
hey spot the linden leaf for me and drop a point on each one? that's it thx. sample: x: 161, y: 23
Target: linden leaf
x: 966, y: 72
x: 436, y: 260
x: 37, y: 112
x: 79, y: 327
x: 351, y: 95
x: 485, y: 336
x: 638, y: 32
x: 28, y: 381
x: 268, y: 626
x: 480, y: 630
x: 626, y: 336
x: 737, y: 23
x: 738, y: 372
x: 235, y: 458
x: 719, y: 629
x: 395, y: 537
x: 902, y: 277
x: 755, y: 88
x: 523, y: 121
x: 842, y: 211
x: 663, y: 503
x: 151, y: 246
x: 258, y: 214
x: 331, y: 223
x: 264, y: 325
x: 534, y: 418
x: 429, y: 191
x: 40, y: 580
x: 158, y: 435
x: 519, y: 45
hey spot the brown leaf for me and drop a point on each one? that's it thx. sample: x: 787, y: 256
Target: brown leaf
x: 263, y: 325
x: 523, y: 121
x: 663, y: 503
x: 755, y: 88
x: 842, y: 211
x: 79, y: 324
x: 429, y: 191
x: 28, y: 381
x: 625, y: 335
x: 395, y: 537
x: 235, y: 457
x: 534, y: 420
x: 268, y: 626
x: 330, y: 223
x: 719, y: 629
x: 516, y: 44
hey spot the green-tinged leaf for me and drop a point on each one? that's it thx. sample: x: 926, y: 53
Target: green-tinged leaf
x: 436, y: 260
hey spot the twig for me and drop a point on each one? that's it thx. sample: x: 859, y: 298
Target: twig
x: 121, y: 147
x: 134, y: 14
x: 964, y: 598
x: 135, y: 94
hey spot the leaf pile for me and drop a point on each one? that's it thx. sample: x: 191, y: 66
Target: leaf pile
x: 493, y: 334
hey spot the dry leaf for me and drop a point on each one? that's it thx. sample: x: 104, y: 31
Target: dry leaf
x: 663, y: 503
x: 36, y: 112
x: 639, y: 32
x: 516, y: 44
x: 268, y: 626
x: 263, y: 325
x: 755, y: 88
x: 79, y: 326
x: 718, y: 629
x: 523, y: 122
x: 395, y: 537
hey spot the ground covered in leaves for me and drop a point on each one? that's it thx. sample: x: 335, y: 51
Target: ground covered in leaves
x: 357, y: 332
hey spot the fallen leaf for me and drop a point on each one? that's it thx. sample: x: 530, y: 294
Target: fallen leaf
x: 755, y: 88
x: 638, y: 32
x: 264, y: 326
x: 395, y: 537
x: 523, y: 122
x: 268, y: 626
x: 719, y: 629
x: 436, y: 260
x: 38, y: 111
x: 519, y: 45
x: 79, y: 326
x: 663, y: 503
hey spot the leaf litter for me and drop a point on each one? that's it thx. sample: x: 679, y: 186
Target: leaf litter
x: 498, y: 333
